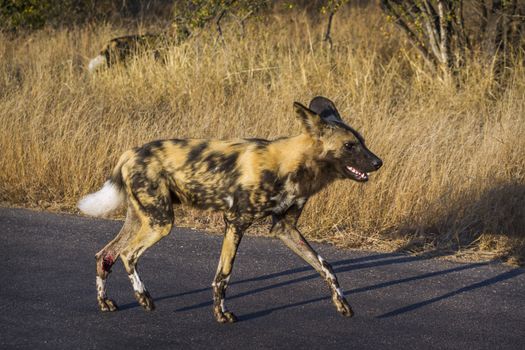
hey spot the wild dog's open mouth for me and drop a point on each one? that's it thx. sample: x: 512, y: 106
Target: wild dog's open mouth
x: 356, y: 174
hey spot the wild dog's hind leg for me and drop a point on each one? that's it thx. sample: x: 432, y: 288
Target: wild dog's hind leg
x: 154, y: 211
x: 232, y: 237
x: 107, y: 257
x: 146, y: 238
x: 286, y: 230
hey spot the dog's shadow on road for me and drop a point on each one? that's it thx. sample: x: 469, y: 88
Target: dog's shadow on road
x: 501, y: 277
x: 306, y: 273
x: 487, y: 282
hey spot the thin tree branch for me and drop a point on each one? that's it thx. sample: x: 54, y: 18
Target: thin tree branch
x: 327, y: 36
x: 218, y: 23
x: 413, y: 38
x: 242, y: 20
x: 225, y: 8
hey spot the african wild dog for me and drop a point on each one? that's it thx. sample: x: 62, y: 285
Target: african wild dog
x: 121, y: 48
x: 246, y: 179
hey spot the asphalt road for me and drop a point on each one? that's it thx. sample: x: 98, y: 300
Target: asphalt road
x: 48, y: 298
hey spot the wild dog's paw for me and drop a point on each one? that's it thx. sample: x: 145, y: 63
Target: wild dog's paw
x: 225, y: 317
x: 105, y: 305
x: 342, y: 306
x: 145, y: 300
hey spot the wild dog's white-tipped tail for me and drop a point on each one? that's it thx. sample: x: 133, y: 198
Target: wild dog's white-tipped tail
x: 96, y: 62
x: 102, y: 202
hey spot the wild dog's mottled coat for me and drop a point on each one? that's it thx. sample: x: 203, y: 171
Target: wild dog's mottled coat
x: 246, y: 179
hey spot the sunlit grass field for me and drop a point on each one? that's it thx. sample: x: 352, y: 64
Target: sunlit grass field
x: 453, y: 178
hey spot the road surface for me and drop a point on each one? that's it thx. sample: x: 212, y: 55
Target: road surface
x: 48, y: 298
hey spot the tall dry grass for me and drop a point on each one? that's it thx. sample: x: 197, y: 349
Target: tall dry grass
x: 454, y: 157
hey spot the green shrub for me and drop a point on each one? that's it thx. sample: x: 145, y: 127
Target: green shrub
x: 27, y: 14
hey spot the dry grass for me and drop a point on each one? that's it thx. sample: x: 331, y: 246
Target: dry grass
x: 454, y: 158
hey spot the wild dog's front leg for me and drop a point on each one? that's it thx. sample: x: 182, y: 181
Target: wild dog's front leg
x: 337, y: 294
x: 289, y: 234
x: 232, y: 238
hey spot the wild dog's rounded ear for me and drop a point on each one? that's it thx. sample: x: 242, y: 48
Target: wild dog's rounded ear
x: 311, y: 122
x: 325, y: 109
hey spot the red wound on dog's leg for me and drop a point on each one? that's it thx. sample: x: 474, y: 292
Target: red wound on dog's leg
x: 107, y: 262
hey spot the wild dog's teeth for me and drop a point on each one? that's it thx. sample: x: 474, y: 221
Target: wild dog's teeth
x: 357, y: 173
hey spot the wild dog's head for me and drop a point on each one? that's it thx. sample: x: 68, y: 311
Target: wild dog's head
x: 343, y: 147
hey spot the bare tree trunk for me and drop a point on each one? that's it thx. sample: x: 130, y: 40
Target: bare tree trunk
x: 492, y: 34
x: 432, y: 27
x: 444, y: 31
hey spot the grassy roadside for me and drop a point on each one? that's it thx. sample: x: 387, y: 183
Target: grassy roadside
x: 454, y: 158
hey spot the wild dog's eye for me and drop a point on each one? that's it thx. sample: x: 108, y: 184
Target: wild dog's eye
x: 350, y: 145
